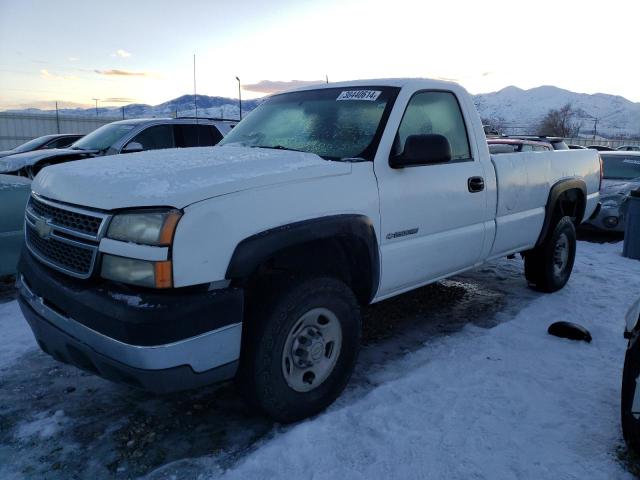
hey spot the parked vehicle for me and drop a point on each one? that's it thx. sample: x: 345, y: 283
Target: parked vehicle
x: 601, y: 148
x: 125, y: 136
x: 557, y: 143
x: 511, y: 145
x: 14, y: 193
x: 45, y: 142
x: 630, y: 393
x: 577, y: 147
x: 175, y: 269
x: 621, y: 174
x: 629, y: 148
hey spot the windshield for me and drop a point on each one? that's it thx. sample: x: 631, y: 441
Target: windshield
x: 621, y: 166
x: 334, y: 123
x: 31, y: 145
x: 103, y: 137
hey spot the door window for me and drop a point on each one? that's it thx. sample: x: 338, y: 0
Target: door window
x: 197, y: 135
x: 435, y: 113
x: 155, y: 138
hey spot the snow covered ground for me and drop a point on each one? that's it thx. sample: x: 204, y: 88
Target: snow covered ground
x: 457, y: 380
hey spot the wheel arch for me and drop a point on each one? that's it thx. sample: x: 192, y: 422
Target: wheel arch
x: 342, y: 245
x: 564, y: 195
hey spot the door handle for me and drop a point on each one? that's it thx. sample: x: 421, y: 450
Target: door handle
x: 475, y: 184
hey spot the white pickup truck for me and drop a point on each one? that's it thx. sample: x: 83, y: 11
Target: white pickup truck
x: 178, y: 268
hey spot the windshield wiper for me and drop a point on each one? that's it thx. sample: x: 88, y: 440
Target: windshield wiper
x: 277, y: 147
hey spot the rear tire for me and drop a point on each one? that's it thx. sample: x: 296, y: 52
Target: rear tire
x: 300, y: 346
x: 548, y: 267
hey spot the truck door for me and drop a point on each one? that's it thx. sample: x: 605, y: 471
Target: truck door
x: 432, y: 216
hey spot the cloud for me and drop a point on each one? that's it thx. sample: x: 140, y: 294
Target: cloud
x: 122, y: 73
x: 121, y: 53
x: 47, y: 75
x: 118, y: 100
x: 73, y: 59
x: 275, y: 86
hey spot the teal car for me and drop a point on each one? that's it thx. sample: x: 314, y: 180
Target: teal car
x: 14, y: 193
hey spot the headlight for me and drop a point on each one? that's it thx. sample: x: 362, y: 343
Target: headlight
x: 137, y: 272
x: 155, y: 228
x: 148, y: 228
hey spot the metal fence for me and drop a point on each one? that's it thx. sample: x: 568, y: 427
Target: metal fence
x: 585, y: 142
x: 17, y: 128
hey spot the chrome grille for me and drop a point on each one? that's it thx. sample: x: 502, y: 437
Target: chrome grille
x: 64, y: 256
x: 70, y: 219
x: 64, y: 237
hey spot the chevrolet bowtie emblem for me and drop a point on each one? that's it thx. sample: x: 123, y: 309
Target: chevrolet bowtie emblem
x: 43, y: 228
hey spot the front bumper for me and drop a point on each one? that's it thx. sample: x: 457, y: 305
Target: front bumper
x: 180, y: 364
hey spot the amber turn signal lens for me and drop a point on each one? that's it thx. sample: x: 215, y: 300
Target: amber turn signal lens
x: 164, y: 276
x: 169, y: 227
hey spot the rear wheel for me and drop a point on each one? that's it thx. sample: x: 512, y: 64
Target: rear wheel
x: 301, y: 344
x: 549, y: 266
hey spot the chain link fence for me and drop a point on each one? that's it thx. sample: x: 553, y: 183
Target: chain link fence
x: 17, y: 128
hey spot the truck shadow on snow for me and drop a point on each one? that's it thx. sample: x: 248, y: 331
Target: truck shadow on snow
x: 63, y: 423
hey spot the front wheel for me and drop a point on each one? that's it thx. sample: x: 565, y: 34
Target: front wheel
x: 630, y: 396
x: 549, y: 266
x: 301, y: 344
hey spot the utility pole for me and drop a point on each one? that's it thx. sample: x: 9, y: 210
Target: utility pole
x: 57, y: 118
x: 595, y: 127
x: 239, y: 97
x: 96, y: 100
x: 195, y: 98
x: 327, y: 78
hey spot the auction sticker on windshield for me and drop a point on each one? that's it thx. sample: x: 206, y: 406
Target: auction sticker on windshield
x: 368, y: 95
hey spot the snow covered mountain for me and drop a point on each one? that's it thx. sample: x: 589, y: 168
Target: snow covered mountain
x: 513, y: 107
x: 182, y: 106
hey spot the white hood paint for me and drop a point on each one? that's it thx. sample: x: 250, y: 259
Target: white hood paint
x: 177, y: 177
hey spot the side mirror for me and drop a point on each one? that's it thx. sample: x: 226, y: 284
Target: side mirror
x: 422, y: 150
x: 133, y: 147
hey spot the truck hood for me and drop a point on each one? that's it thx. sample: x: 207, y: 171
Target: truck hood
x: 177, y: 177
x: 15, y: 162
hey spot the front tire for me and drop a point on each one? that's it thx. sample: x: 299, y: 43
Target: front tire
x: 631, y: 424
x: 549, y: 266
x: 300, y: 346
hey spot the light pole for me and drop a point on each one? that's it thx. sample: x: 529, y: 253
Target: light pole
x: 239, y: 98
x: 96, y: 100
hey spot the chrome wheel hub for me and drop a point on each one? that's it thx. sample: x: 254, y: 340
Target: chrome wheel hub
x: 311, y: 349
x: 560, y: 254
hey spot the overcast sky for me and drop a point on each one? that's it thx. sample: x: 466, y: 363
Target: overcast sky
x: 142, y: 51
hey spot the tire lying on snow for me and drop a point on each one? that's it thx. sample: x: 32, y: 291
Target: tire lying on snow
x: 548, y: 266
x: 300, y: 346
